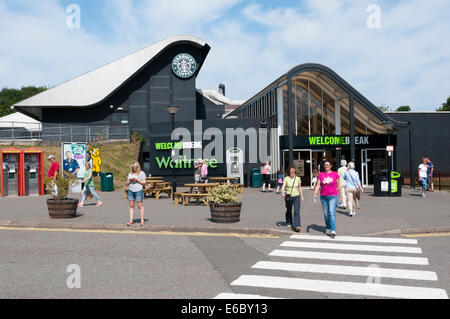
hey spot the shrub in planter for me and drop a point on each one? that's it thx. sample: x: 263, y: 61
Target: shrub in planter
x: 59, y: 206
x: 224, y: 204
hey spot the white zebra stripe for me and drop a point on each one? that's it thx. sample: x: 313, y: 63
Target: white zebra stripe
x: 390, y: 249
x: 349, y: 270
x: 339, y: 287
x: 358, y: 239
x: 350, y: 257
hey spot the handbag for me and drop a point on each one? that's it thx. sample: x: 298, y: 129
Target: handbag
x: 358, y: 191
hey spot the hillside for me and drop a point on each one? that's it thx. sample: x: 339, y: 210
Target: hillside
x: 116, y: 158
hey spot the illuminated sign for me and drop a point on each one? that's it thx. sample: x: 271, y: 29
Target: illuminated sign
x: 337, y: 140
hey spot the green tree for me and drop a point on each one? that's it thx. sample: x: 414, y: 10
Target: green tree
x: 404, y: 108
x: 9, y: 97
x: 445, y: 106
x: 384, y: 108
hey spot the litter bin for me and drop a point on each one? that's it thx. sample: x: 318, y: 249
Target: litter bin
x: 381, y: 184
x: 107, y: 182
x: 256, y: 178
x: 396, y: 184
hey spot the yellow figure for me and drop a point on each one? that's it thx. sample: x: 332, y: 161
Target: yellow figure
x: 96, y: 159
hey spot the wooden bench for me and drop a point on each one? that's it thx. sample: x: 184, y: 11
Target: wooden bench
x: 165, y: 190
x: 186, y: 198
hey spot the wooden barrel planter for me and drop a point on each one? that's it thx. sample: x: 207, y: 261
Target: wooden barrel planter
x: 225, y: 213
x: 62, y: 209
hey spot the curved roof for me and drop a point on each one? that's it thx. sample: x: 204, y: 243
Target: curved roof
x: 95, y: 86
x: 322, y: 69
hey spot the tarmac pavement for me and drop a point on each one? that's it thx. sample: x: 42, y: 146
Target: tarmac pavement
x: 262, y: 213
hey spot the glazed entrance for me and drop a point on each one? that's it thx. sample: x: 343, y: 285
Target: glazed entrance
x: 367, y: 163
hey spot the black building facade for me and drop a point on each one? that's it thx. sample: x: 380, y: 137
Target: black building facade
x: 430, y: 138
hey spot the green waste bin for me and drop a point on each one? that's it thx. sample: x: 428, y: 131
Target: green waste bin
x: 256, y: 178
x: 396, y: 184
x: 107, y: 182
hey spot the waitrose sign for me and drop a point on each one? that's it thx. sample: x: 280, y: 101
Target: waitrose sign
x: 166, y: 162
x: 337, y: 140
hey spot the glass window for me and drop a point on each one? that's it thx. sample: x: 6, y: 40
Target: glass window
x: 300, y: 88
x: 285, y: 109
x: 315, y: 99
x: 329, y: 125
x: 345, y: 119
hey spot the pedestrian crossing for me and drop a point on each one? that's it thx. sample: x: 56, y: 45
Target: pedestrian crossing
x: 345, y: 266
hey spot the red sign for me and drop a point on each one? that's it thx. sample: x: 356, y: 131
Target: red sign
x: 390, y: 148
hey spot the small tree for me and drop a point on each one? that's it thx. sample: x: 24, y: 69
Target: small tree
x: 404, y: 108
x: 63, y: 185
x: 384, y: 108
x: 445, y: 106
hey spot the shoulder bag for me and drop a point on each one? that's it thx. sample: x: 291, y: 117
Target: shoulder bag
x: 358, y: 191
x: 288, y: 198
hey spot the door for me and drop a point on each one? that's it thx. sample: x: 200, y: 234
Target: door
x: 372, y: 161
x: 303, y: 163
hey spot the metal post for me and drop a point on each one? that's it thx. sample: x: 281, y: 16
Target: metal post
x: 174, y: 181
x: 12, y: 132
x: 352, y: 127
x: 411, y: 171
x: 290, y: 119
x: 389, y: 165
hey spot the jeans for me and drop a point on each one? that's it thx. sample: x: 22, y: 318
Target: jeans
x: 423, y: 181
x: 329, y: 210
x: 295, y: 201
x: 91, y: 188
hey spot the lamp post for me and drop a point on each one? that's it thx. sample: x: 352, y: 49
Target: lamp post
x: 389, y: 125
x: 173, y: 109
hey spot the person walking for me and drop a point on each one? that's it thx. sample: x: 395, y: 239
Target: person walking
x: 280, y: 180
x: 321, y: 164
x: 341, y: 171
x: 293, y: 195
x: 351, y: 177
x: 265, y: 171
x: 204, y: 172
x: 198, y: 170
x: 53, y: 172
x: 315, y: 174
x: 430, y: 172
x: 329, y: 185
x: 423, y: 176
x: 89, y: 185
x: 136, y: 183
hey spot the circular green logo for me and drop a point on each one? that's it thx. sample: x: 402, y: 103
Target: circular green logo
x: 184, y: 65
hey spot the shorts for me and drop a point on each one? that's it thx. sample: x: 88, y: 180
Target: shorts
x: 135, y: 196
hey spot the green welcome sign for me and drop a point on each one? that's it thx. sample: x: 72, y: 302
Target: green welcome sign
x: 337, y: 140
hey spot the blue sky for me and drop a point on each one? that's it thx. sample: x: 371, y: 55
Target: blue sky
x: 404, y: 62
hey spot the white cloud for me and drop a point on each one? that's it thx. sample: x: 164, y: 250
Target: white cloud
x: 250, y: 48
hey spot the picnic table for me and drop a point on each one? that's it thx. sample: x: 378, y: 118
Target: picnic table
x: 157, y: 188
x: 197, y: 191
x: 222, y: 180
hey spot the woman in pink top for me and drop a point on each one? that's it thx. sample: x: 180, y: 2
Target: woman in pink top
x: 330, y: 192
x: 204, y: 172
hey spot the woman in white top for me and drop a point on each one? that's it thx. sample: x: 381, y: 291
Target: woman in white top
x: 341, y: 171
x: 265, y: 172
x: 136, y: 183
x: 423, y: 176
x: 351, y: 178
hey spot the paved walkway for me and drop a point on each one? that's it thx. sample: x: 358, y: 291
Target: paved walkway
x: 261, y: 213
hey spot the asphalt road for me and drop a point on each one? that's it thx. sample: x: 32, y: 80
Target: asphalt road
x: 45, y: 264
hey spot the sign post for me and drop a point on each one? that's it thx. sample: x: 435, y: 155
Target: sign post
x: 390, y: 150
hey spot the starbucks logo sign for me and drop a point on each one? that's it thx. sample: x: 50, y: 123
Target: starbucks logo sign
x: 184, y: 65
